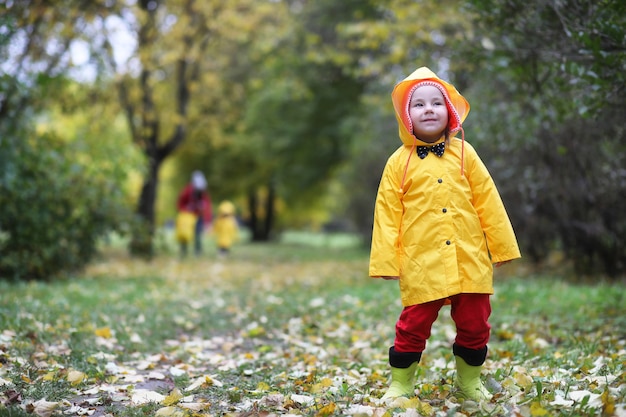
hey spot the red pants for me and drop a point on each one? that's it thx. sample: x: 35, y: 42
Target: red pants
x: 470, y: 313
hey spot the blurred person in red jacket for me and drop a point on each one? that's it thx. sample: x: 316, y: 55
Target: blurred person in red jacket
x: 194, y: 199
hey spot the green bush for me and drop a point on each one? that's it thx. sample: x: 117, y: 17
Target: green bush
x: 52, y: 207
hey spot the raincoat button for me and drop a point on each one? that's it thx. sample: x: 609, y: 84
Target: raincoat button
x: 447, y: 242
x: 445, y: 210
x: 439, y: 180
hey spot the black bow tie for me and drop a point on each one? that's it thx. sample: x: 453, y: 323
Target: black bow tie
x: 422, y: 151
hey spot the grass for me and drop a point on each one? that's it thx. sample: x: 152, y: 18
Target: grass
x: 290, y: 328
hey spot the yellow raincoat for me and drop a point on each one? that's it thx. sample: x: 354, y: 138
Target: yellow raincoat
x: 439, y: 224
x: 225, y: 225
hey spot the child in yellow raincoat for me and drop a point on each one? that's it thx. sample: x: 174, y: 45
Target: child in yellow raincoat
x: 225, y: 227
x: 439, y: 227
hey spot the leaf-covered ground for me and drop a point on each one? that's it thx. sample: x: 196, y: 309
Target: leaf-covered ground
x: 277, y: 330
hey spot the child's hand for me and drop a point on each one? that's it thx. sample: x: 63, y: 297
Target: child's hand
x: 499, y: 264
x: 391, y: 278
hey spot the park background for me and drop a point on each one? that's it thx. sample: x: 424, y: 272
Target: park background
x: 106, y: 107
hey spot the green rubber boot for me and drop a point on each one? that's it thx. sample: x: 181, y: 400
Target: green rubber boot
x: 402, y: 382
x: 468, y: 382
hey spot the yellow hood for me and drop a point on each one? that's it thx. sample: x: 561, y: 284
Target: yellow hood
x: 226, y: 208
x: 458, y: 107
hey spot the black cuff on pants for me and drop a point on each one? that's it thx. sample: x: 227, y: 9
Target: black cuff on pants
x: 403, y: 359
x: 473, y: 357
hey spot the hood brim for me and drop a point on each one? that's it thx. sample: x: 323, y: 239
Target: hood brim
x: 401, y: 95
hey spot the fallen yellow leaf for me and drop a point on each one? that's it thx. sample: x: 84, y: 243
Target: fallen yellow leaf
x: 608, y: 404
x: 104, y: 332
x: 75, y: 377
x: 256, y: 332
x: 326, y: 382
x: 263, y: 386
x: 413, y: 403
x: 424, y: 409
x: 537, y: 410
x: 327, y: 410
x: 316, y: 388
x: 50, y: 376
x: 523, y: 380
x: 174, y: 397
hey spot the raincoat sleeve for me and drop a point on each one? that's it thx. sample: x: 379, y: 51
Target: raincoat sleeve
x: 384, y: 259
x: 494, y: 220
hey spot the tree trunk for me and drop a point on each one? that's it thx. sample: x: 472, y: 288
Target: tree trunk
x: 143, y: 115
x: 269, y: 212
x: 261, y: 228
x: 252, y: 224
x: 143, y: 233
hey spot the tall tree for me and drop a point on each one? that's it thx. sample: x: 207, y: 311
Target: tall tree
x: 248, y: 35
x: 171, y: 40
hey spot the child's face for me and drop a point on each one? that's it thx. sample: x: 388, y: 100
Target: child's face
x: 428, y: 113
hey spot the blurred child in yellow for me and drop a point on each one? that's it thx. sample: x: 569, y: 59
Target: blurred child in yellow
x: 225, y: 227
